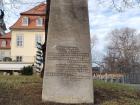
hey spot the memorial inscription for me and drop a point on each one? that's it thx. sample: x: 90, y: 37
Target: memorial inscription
x: 72, y: 66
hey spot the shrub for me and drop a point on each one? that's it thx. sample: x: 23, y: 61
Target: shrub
x: 7, y: 59
x: 28, y: 70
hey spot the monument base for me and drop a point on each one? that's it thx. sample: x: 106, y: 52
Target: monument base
x: 53, y: 103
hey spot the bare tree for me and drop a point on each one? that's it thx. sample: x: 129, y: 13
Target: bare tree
x: 123, y: 51
x: 94, y: 40
x: 120, y: 5
x: 96, y: 56
x: 46, y: 34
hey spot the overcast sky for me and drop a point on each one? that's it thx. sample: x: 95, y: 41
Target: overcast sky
x: 103, y: 19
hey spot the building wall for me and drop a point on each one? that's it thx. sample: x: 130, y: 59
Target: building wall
x: 5, y: 48
x: 4, y: 53
x: 8, y: 42
x: 28, y: 50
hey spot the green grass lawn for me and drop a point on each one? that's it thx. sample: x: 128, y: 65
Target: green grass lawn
x: 26, y: 90
x: 115, y: 94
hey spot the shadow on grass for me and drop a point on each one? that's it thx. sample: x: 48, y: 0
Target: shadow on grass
x: 27, y: 91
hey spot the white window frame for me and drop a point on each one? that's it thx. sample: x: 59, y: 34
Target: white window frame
x: 3, y: 43
x: 39, y: 21
x: 25, y: 21
x: 19, y: 40
x: 38, y: 38
x: 19, y: 58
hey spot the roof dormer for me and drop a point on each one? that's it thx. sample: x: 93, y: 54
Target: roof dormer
x: 39, y: 21
x: 25, y: 21
x: 31, y: 19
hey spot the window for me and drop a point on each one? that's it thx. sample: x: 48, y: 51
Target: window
x: 39, y: 21
x: 3, y: 43
x: 2, y: 55
x: 19, y: 58
x: 38, y: 39
x: 19, y: 40
x: 25, y: 21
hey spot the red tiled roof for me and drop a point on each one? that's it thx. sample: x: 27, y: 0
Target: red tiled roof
x: 6, y: 36
x: 37, y: 10
x: 31, y: 25
x: 32, y: 14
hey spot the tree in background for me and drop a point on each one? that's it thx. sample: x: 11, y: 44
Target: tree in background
x: 119, y: 5
x: 2, y: 23
x: 96, y: 56
x: 123, y: 52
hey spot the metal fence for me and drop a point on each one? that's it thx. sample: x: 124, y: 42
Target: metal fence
x: 132, y: 78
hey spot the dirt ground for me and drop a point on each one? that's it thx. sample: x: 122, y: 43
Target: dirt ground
x: 27, y: 95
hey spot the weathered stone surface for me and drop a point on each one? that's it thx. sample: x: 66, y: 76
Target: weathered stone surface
x: 68, y: 74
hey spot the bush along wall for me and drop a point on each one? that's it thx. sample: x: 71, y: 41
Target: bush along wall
x: 28, y: 70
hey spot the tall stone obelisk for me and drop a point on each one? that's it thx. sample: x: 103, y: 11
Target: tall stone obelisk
x: 68, y: 73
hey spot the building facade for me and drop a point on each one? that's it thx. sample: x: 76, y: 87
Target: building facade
x: 26, y: 32
x: 5, y: 46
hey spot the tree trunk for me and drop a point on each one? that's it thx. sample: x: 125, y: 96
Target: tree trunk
x: 46, y: 33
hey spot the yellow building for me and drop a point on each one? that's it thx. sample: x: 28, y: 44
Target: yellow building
x: 26, y: 32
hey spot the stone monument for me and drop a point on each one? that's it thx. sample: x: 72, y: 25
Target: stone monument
x: 68, y: 74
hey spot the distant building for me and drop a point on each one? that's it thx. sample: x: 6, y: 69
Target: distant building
x: 26, y: 32
x: 96, y: 69
x: 5, y: 46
